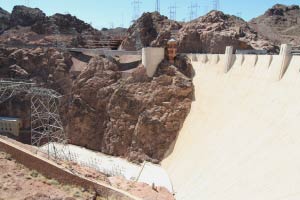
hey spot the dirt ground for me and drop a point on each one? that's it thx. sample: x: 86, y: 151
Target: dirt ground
x: 19, y: 183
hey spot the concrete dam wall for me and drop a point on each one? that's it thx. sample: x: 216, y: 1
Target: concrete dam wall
x: 241, y: 139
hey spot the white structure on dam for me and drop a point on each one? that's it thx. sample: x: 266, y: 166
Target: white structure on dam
x: 241, y: 140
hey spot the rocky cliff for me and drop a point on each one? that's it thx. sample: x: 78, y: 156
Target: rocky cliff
x: 207, y: 34
x: 280, y: 24
x: 138, y: 117
x: 216, y: 30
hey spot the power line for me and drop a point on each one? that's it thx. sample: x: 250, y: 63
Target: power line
x: 157, y: 5
x: 136, y: 9
x: 172, y: 12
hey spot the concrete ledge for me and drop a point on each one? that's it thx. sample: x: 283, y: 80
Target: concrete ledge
x: 52, y: 170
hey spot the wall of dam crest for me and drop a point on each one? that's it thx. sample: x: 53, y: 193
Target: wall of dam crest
x: 271, y: 67
x: 241, y: 138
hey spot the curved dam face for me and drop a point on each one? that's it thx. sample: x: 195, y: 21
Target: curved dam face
x: 241, y: 139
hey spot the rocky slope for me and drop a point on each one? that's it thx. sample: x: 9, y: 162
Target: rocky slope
x: 208, y: 34
x: 280, y: 24
x: 216, y: 30
x: 30, y: 26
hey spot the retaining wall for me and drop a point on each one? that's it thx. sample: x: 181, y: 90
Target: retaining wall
x: 54, y: 171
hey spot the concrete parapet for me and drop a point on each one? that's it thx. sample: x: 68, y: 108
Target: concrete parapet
x: 269, y: 67
x: 151, y: 57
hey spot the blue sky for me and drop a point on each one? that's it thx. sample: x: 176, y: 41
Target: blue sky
x: 108, y: 13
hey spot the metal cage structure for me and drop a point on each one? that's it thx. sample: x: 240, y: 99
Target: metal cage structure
x: 46, y: 124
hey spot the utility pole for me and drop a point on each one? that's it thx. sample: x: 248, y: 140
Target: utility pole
x: 136, y: 9
x: 157, y: 5
x: 172, y: 12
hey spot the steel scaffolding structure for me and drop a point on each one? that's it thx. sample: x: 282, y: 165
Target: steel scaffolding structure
x: 46, y: 124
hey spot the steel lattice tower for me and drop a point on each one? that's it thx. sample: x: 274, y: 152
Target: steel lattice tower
x: 157, y: 5
x: 46, y: 124
x: 194, y: 7
x: 216, y: 4
x: 136, y: 9
x: 172, y: 12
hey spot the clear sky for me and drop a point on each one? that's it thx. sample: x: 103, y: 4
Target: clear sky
x: 113, y: 13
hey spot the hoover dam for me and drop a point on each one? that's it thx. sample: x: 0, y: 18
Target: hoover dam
x: 241, y: 139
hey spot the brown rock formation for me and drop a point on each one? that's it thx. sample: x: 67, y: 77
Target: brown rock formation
x: 30, y: 27
x: 4, y: 20
x: 137, y: 118
x: 24, y: 16
x: 151, y: 29
x: 208, y: 34
x: 216, y: 30
x: 280, y: 24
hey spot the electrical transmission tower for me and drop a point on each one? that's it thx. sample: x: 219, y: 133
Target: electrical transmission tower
x: 157, y: 5
x: 216, y: 4
x: 193, y: 8
x: 46, y: 124
x: 172, y: 12
x: 136, y: 9
x: 239, y: 14
x: 27, y: 3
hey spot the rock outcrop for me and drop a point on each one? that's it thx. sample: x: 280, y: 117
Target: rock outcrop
x: 151, y: 29
x: 280, y: 24
x: 4, y: 20
x: 31, y: 27
x: 138, y: 118
x: 216, y: 30
x: 208, y: 34
x: 25, y: 16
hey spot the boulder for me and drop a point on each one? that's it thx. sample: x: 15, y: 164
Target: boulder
x: 4, y: 20
x: 25, y: 16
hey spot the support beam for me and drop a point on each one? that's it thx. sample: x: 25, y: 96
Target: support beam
x: 228, y: 58
x: 286, y: 55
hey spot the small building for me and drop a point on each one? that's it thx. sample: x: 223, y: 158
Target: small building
x: 10, y: 125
